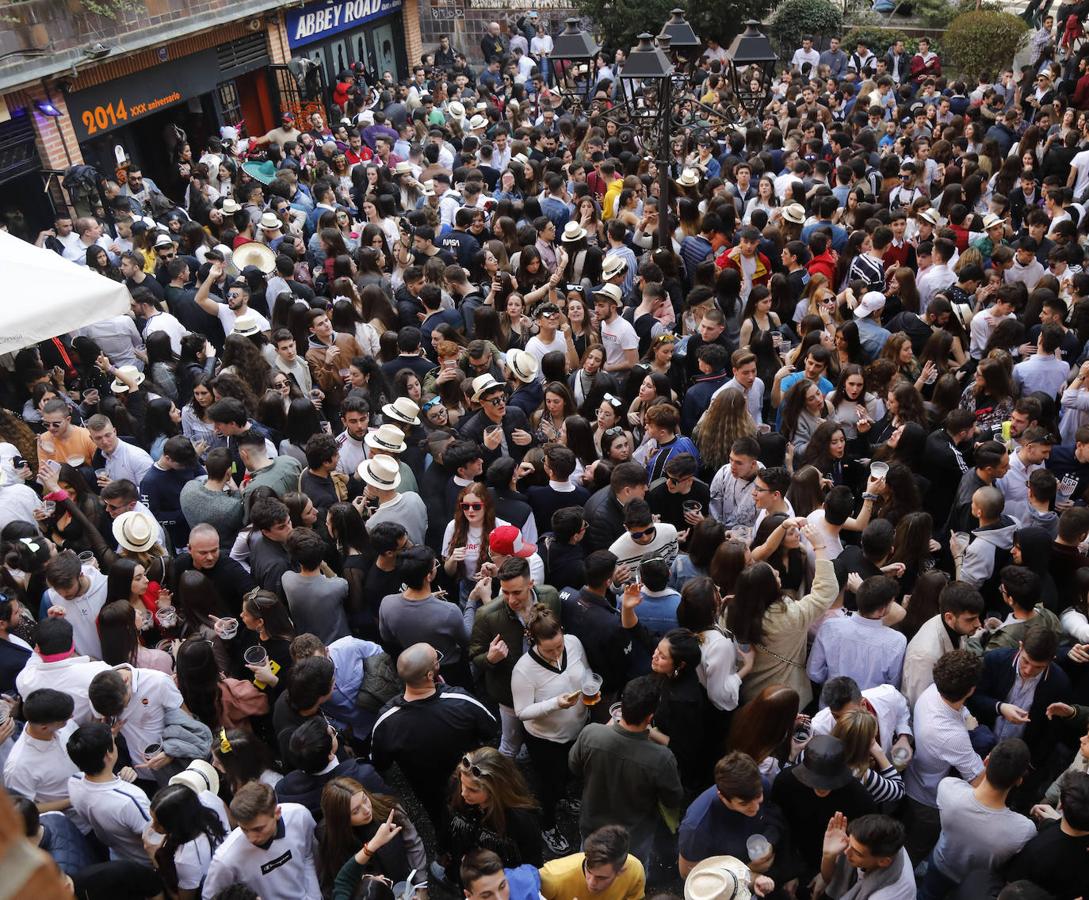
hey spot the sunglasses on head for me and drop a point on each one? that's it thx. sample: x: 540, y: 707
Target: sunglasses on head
x: 472, y: 768
x: 616, y: 429
x: 430, y: 404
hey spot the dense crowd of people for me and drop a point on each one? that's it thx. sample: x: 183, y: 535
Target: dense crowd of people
x: 429, y: 527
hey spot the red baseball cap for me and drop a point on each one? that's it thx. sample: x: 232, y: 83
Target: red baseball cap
x: 506, y: 540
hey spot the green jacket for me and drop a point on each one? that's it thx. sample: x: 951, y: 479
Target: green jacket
x: 1009, y: 636
x: 497, y: 618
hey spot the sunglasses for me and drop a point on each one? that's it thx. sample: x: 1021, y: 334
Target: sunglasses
x: 472, y: 768
x: 613, y: 401
x: 644, y: 533
x: 665, y: 338
x: 496, y: 401
x: 616, y: 429
x: 430, y: 404
x: 475, y: 507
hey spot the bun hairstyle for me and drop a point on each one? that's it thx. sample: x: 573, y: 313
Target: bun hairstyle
x: 541, y: 624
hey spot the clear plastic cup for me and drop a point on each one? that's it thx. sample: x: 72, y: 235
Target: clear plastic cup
x: 900, y: 757
x: 152, y: 750
x: 757, y: 847
x: 692, y: 506
x: 152, y: 838
x: 167, y: 616
x: 5, y: 711
x: 101, y: 473
x: 226, y: 628
x: 255, y: 656
x: 879, y: 469
x: 49, y: 507
x: 591, y: 688
x: 87, y: 558
x: 615, y: 711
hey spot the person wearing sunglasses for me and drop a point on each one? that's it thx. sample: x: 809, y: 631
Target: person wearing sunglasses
x: 503, y: 430
x: 644, y: 538
x: 493, y: 807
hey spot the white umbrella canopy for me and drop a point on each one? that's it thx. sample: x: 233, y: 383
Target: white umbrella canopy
x: 43, y: 295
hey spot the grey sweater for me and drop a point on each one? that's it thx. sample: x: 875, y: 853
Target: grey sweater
x: 221, y: 510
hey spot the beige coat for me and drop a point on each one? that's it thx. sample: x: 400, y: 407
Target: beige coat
x: 780, y: 657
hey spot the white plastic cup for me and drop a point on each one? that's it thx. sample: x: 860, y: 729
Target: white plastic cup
x: 227, y: 628
x: 152, y: 838
x: 591, y: 688
x: 900, y: 757
x: 255, y: 656
x: 757, y: 846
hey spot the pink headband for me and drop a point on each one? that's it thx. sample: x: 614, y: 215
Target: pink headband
x: 57, y: 657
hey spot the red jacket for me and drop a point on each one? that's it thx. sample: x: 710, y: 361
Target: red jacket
x: 825, y: 264
x: 921, y: 69
x: 728, y: 259
x: 1081, y: 93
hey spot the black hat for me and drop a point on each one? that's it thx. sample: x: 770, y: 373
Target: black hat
x: 824, y: 767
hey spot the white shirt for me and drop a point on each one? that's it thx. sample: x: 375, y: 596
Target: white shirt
x: 893, y: 715
x: 118, y: 813
x: 72, y: 676
x: 352, y: 453
x: 227, y: 317
x: 937, y: 278
x: 39, y: 770
x: 285, y: 871
x: 982, y: 325
x: 1080, y: 164
x: 169, y: 324
x: 941, y: 744
x: 618, y: 336
x: 82, y: 614
x: 191, y: 860
x: 538, y: 348
x: 153, y: 693
x: 1014, y: 485
x: 127, y: 461
x: 801, y: 56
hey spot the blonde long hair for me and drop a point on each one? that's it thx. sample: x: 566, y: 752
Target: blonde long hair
x: 857, y: 729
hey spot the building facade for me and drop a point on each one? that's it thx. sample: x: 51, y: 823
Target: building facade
x: 79, y: 87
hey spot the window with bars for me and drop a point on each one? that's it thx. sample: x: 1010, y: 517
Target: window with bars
x: 230, y: 103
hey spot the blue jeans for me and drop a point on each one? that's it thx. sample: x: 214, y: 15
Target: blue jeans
x: 935, y: 885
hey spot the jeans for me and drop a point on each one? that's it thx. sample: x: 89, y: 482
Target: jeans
x: 936, y: 886
x: 513, y: 732
x: 550, y: 762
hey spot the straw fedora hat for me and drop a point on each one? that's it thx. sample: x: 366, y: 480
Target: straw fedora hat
x: 198, y: 776
x: 611, y: 293
x: 119, y: 387
x: 230, y: 206
x: 477, y: 122
x: 404, y: 167
x: 402, y: 410
x: 246, y: 325
x: 718, y: 878
x: 689, y: 178
x: 380, y: 472
x: 456, y: 109
x: 484, y: 383
x: 254, y: 253
x: 388, y: 438
x: 794, y: 212
x: 523, y: 365
x: 612, y: 267
x: 572, y: 232
x: 270, y: 221
x: 135, y: 530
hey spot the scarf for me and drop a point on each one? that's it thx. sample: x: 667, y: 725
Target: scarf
x: 847, y: 884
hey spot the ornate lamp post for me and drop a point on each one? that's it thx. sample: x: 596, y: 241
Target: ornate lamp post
x: 752, y: 68
x: 572, y: 58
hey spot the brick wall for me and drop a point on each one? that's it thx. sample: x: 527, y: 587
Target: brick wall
x: 54, y: 137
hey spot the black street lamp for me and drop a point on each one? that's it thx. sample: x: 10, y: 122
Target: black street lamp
x: 752, y: 68
x: 682, y: 37
x: 572, y: 57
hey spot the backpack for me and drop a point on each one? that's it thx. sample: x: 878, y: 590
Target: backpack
x: 380, y: 683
